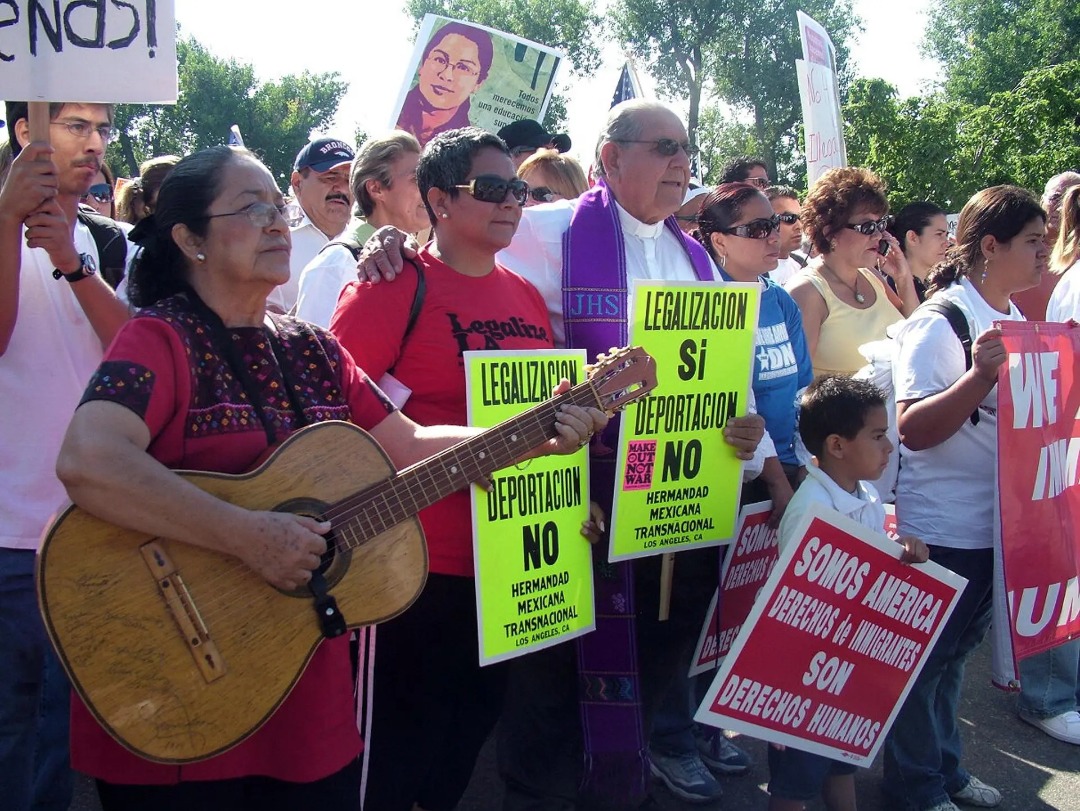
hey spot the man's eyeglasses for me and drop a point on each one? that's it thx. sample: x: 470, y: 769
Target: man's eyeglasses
x: 789, y: 217
x: 870, y: 227
x: 102, y: 192
x: 761, y: 182
x: 83, y: 129
x: 261, y: 215
x: 493, y: 189
x: 761, y: 228
x: 542, y: 194
x: 667, y: 147
x: 460, y: 68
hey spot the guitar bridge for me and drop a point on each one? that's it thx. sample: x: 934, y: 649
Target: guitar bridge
x: 178, y: 599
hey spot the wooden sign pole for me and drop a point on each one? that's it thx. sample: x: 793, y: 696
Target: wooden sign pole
x: 39, y: 121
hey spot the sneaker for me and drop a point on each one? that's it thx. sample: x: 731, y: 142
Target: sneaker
x: 721, y: 755
x: 1064, y: 727
x: 685, y: 776
x: 978, y: 794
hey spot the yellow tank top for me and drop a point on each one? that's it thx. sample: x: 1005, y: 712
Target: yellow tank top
x: 846, y: 328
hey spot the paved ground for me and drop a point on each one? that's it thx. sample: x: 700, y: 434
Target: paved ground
x: 1033, y: 771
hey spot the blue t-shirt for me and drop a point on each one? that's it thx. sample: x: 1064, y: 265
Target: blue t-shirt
x: 781, y: 365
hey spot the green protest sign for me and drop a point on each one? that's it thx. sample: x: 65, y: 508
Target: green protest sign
x: 534, y: 583
x: 678, y: 482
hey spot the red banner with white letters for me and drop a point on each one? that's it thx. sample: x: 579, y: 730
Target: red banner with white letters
x: 834, y: 642
x: 1039, y: 482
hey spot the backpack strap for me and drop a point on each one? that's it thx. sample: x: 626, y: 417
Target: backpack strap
x: 960, y: 327
x: 111, y: 242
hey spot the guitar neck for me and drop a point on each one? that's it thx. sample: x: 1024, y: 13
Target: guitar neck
x: 371, y: 512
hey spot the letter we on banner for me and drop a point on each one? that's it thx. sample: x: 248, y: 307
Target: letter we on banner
x: 677, y: 481
x: 1038, y: 478
x: 855, y: 626
x: 747, y: 565
x: 96, y: 51
x: 534, y: 584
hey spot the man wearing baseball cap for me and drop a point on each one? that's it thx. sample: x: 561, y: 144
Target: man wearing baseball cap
x: 320, y: 184
x: 526, y: 136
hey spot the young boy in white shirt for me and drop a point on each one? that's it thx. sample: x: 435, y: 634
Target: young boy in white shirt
x: 843, y: 424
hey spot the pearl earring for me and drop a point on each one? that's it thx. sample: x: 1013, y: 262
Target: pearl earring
x: 445, y: 216
x: 200, y: 256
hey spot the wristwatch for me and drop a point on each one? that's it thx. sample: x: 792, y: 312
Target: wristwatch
x: 87, y: 267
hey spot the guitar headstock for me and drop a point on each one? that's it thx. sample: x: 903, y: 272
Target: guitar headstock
x: 622, y: 376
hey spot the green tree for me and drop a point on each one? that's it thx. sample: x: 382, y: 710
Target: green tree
x: 742, y: 52
x: 720, y: 138
x: 986, y: 46
x: 570, y: 25
x: 275, y: 118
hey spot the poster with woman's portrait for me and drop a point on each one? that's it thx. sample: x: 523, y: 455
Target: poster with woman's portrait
x: 464, y: 74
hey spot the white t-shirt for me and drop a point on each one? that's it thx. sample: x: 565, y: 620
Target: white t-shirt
x: 863, y: 506
x: 51, y: 356
x: 325, y: 276
x: 945, y: 494
x: 1065, y: 300
x: 307, y: 240
x: 785, y: 269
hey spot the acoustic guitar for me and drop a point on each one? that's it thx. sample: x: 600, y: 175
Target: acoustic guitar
x: 181, y: 653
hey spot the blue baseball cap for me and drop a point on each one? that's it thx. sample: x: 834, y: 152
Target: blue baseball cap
x: 323, y: 155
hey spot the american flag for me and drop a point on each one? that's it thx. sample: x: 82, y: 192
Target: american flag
x: 627, y: 88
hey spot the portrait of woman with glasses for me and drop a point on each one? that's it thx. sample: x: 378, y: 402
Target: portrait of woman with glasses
x: 454, y: 65
x: 842, y: 294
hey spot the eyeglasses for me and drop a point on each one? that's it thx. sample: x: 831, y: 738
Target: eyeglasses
x: 760, y: 182
x: 102, y: 192
x: 542, y: 194
x: 493, y: 189
x: 760, y: 228
x: 442, y: 63
x: 667, y: 147
x: 261, y: 215
x: 870, y: 227
x: 789, y: 218
x: 83, y: 129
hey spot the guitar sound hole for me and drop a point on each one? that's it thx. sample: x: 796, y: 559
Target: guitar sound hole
x: 335, y: 561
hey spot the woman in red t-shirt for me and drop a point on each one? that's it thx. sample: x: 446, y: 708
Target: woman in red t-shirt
x: 433, y: 706
x: 202, y: 379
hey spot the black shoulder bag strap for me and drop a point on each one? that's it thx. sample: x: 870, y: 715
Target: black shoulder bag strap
x: 959, y: 323
x: 111, y: 245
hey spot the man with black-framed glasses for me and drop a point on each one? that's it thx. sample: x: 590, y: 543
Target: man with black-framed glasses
x: 56, y: 316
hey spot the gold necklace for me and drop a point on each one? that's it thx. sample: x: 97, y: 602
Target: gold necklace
x: 859, y: 297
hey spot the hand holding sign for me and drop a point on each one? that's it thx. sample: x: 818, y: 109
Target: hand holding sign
x: 31, y: 182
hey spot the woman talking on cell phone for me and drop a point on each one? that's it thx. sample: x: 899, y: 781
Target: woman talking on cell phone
x: 843, y: 297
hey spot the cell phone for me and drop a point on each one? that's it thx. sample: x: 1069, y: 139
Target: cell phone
x: 883, y: 247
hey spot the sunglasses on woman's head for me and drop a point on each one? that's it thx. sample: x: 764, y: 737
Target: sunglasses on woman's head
x: 870, y: 227
x: 542, y: 194
x: 760, y: 228
x: 493, y: 189
x: 102, y: 192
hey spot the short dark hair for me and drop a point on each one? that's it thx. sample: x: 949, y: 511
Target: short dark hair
x: 161, y: 269
x: 16, y: 110
x: 721, y: 209
x: 913, y: 217
x: 447, y: 160
x: 835, y: 404
x: 738, y: 169
x: 485, y: 52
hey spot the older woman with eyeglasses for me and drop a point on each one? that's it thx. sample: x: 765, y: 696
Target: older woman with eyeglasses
x: 552, y: 176
x: 842, y: 295
x: 203, y: 379
x: 433, y: 705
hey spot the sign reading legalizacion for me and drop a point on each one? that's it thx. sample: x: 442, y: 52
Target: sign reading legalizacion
x: 88, y: 50
x: 747, y: 565
x: 534, y: 583
x: 1039, y: 482
x: 855, y: 626
x: 678, y: 482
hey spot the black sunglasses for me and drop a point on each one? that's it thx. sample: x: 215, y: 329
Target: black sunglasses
x: 870, y: 227
x: 542, y: 194
x: 493, y: 189
x: 102, y: 192
x: 760, y: 228
x: 666, y: 147
x: 789, y: 218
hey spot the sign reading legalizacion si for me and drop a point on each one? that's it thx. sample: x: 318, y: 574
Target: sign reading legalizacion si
x: 88, y: 50
x: 534, y: 583
x: 855, y: 627
x: 678, y: 482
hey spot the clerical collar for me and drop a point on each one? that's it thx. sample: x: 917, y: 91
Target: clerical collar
x: 635, y: 227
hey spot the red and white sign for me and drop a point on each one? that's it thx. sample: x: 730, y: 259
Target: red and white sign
x: 834, y: 642
x: 747, y: 565
x: 1038, y: 477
